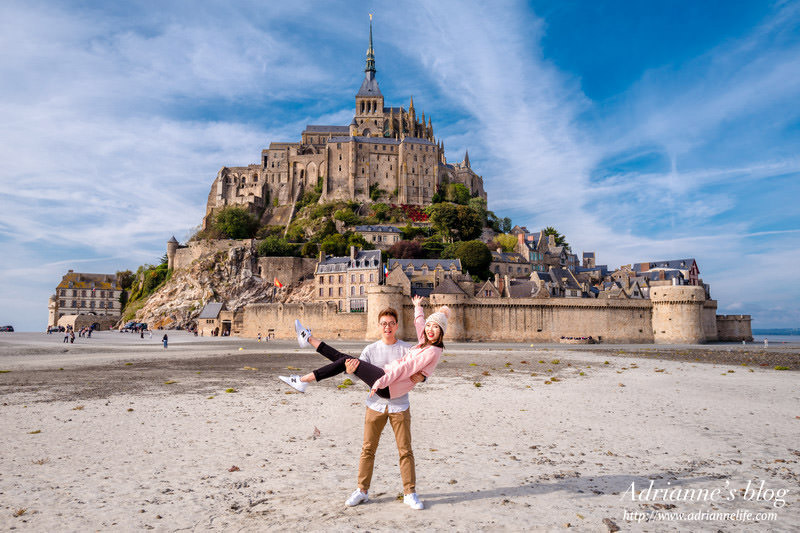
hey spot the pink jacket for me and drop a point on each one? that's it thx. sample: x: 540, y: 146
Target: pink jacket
x: 399, y: 372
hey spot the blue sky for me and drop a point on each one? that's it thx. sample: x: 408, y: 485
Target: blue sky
x: 641, y: 130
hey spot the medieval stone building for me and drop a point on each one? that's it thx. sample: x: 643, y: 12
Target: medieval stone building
x: 391, y: 149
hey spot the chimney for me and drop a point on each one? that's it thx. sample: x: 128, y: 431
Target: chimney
x: 352, y: 253
x: 321, y: 256
x: 498, y: 282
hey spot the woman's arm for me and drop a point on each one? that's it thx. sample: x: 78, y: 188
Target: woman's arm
x: 408, y: 367
x: 419, y: 318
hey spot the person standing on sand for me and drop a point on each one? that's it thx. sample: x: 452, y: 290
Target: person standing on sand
x: 164, y: 340
x: 379, y: 410
x: 392, y: 381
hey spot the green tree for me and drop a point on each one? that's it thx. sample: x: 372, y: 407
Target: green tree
x: 358, y: 240
x: 235, y: 223
x: 443, y: 217
x: 455, y: 222
x: 274, y: 246
x: 310, y: 249
x: 432, y: 248
x: 560, y: 240
x: 334, y: 244
x: 347, y: 216
x: 125, y: 278
x: 457, y: 193
x: 375, y: 192
x: 381, y: 211
x: 123, y: 299
x: 475, y: 257
x: 478, y: 205
x: 506, y: 225
x: 507, y: 242
x: 469, y: 224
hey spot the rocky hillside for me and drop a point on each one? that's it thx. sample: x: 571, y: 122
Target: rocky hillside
x: 221, y: 277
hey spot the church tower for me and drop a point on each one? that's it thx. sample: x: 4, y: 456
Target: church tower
x: 369, y: 100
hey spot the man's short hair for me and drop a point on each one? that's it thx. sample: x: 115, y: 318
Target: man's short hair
x: 389, y: 311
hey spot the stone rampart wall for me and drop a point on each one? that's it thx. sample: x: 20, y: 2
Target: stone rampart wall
x: 535, y: 320
x: 709, y: 316
x: 287, y: 270
x: 197, y: 249
x: 80, y: 321
x: 324, y: 318
x: 734, y: 328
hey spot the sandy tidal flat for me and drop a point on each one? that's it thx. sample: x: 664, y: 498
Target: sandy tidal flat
x: 97, y: 438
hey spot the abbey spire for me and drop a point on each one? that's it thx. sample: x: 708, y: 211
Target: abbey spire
x: 369, y: 117
x: 370, y: 68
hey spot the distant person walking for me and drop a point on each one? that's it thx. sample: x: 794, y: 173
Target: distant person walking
x: 165, y: 340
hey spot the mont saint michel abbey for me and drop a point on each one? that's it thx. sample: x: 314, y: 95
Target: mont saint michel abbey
x: 389, y: 148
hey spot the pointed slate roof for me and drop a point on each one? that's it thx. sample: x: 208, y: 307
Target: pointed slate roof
x: 448, y: 286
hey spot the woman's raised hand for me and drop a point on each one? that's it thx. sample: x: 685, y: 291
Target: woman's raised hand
x: 416, y: 300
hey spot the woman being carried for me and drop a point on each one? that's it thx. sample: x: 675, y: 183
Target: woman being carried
x: 394, y: 379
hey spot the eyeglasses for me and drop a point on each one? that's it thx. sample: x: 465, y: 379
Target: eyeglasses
x: 387, y: 324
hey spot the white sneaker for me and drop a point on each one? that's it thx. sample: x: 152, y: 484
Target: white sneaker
x: 303, y: 334
x: 356, y: 498
x: 294, y: 382
x: 412, y: 500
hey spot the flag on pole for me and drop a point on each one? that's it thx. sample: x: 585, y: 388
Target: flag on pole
x: 278, y: 283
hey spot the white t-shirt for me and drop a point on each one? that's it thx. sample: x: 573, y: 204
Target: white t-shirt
x: 380, y: 354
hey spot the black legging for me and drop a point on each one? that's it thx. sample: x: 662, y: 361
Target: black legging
x: 366, y: 372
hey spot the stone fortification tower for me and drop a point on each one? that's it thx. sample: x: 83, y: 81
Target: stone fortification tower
x: 172, y: 248
x: 677, y: 314
x: 456, y: 326
x: 380, y: 297
x: 52, y: 311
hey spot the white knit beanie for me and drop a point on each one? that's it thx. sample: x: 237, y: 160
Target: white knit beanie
x: 440, y: 318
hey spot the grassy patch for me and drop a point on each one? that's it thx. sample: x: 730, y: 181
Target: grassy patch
x: 35, y: 432
x: 170, y: 382
x: 781, y: 368
x: 477, y: 384
x: 231, y: 390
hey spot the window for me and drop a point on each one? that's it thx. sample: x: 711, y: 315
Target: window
x: 61, y: 303
x: 341, y: 278
x: 320, y: 291
x: 330, y: 291
x: 361, y: 290
x: 330, y: 278
x: 353, y: 291
x: 322, y: 280
x: 361, y: 278
x: 372, y: 278
x: 341, y: 291
x: 352, y: 278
